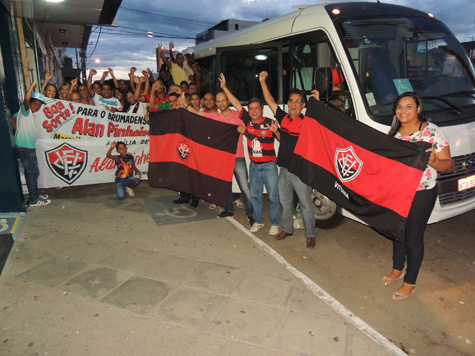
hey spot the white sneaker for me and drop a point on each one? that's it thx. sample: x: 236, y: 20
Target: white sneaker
x: 256, y: 227
x: 238, y: 202
x: 274, y: 230
x: 130, y: 192
x: 41, y: 201
x: 44, y: 196
x: 212, y: 206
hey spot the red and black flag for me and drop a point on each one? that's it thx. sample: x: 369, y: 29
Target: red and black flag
x: 366, y: 172
x: 193, y: 154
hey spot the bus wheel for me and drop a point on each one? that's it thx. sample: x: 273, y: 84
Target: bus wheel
x: 327, y: 213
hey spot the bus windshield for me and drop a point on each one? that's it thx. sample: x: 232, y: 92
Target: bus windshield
x: 394, y: 55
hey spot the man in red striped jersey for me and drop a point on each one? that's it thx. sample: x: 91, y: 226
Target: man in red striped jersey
x: 261, y: 133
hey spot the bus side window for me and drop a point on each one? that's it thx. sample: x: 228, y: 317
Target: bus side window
x: 313, y: 66
x: 242, y: 64
x: 310, y: 57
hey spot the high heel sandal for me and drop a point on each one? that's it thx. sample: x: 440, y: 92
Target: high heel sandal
x: 398, y: 296
x: 386, y: 281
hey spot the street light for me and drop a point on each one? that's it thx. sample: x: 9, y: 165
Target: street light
x: 96, y: 60
x: 84, y: 65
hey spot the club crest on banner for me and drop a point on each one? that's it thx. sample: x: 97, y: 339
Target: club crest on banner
x: 347, y: 164
x: 184, y: 150
x: 66, y: 162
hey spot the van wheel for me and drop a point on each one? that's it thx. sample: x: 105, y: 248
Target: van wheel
x: 327, y: 213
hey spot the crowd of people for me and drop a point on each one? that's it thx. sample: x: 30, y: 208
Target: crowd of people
x: 179, y: 87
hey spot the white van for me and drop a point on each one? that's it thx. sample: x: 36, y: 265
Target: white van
x: 374, y: 51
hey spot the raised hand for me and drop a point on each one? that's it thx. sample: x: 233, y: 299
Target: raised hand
x: 263, y: 76
x: 222, y: 80
x: 92, y: 72
x: 274, y: 126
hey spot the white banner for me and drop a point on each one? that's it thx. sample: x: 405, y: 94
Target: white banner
x: 73, y: 139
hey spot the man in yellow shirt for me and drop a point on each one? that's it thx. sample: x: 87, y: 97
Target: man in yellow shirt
x: 179, y: 71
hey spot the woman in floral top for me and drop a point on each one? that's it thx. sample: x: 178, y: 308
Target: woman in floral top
x: 410, y: 124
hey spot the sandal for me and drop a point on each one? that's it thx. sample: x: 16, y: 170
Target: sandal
x: 386, y: 281
x: 398, y: 296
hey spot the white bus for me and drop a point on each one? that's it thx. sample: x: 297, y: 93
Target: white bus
x: 378, y: 51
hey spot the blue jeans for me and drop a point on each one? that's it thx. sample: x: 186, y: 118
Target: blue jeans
x: 240, y: 172
x: 122, y: 183
x: 265, y: 174
x: 288, y: 183
x: 32, y: 172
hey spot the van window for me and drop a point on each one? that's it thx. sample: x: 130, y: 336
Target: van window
x: 314, y: 66
x: 242, y: 65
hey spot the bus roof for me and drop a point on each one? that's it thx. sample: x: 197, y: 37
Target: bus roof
x: 301, y: 21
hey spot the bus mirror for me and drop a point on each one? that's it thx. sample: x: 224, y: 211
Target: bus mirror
x: 323, y: 82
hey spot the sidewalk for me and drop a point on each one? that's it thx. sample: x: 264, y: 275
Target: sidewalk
x: 92, y: 275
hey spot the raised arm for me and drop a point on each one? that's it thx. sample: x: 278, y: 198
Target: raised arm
x: 116, y: 83
x: 48, y: 77
x: 109, y: 153
x: 265, y: 90
x: 146, y: 88
x: 152, y: 104
x: 138, y: 92
x: 104, y: 76
x: 171, y: 46
x: 92, y: 73
x: 26, y: 101
x: 234, y: 101
x: 162, y: 56
x: 73, y: 87
x: 132, y: 78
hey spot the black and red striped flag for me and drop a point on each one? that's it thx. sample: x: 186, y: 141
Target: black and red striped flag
x: 193, y: 154
x: 366, y: 172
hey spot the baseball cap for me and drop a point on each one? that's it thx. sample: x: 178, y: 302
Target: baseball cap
x: 38, y: 96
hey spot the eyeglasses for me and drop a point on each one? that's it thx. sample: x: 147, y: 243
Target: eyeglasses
x: 298, y: 101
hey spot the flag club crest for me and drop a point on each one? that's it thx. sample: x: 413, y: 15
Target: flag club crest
x: 184, y: 150
x: 347, y: 164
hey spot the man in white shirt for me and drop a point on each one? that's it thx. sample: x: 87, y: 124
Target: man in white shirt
x: 106, y: 99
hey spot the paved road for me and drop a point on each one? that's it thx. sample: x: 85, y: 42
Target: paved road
x: 349, y: 261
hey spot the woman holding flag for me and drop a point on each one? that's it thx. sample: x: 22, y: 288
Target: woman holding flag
x: 410, y: 124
